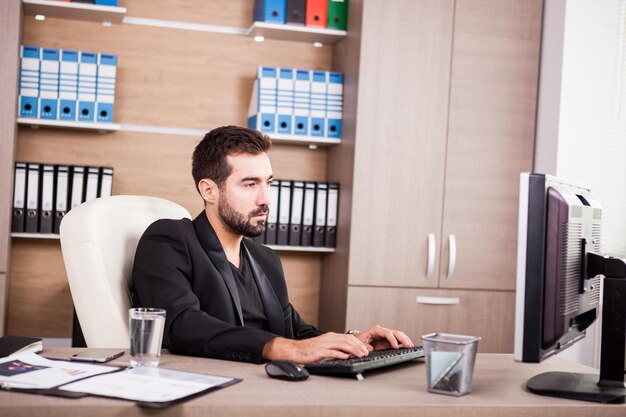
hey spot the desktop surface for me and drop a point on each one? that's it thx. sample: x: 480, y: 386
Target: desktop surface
x: 497, y: 390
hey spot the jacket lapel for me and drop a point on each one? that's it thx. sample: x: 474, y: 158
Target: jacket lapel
x: 212, y: 246
x: 273, y: 310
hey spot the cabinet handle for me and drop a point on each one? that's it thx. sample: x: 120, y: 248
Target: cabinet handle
x: 451, y: 256
x: 420, y: 299
x: 430, y: 267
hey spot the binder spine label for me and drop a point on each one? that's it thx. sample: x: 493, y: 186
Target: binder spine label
x: 302, y: 102
x: 106, y: 184
x: 87, y: 73
x: 20, y: 186
x: 285, y: 101
x: 68, y: 85
x: 91, y: 191
x: 61, y: 188
x: 295, y: 222
x: 47, y: 188
x: 334, y: 104
x: 318, y: 103
x: 272, y: 218
x: 32, y: 199
x: 308, y: 214
x: 331, y: 216
x: 47, y: 195
x: 49, y: 83
x: 77, y: 186
x: 29, y: 81
x: 33, y: 187
x: 321, y: 199
x: 275, y: 11
x: 19, y: 198
x: 333, y: 196
x: 268, y: 86
x: 105, y: 90
x: 285, y: 202
x: 296, y: 207
x: 338, y: 14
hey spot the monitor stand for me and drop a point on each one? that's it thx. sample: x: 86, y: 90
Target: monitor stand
x: 575, y: 387
x: 609, y: 386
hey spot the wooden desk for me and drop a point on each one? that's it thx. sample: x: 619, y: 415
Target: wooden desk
x: 497, y: 391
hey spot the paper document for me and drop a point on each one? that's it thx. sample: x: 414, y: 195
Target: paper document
x: 31, y: 371
x: 148, y: 384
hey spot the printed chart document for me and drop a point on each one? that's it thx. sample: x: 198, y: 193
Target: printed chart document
x: 149, y: 385
x: 31, y: 371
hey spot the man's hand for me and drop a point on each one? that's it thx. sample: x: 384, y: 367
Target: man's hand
x: 328, y: 345
x: 334, y: 345
x: 378, y: 337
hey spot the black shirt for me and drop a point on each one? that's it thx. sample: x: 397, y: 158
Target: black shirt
x: 251, y: 304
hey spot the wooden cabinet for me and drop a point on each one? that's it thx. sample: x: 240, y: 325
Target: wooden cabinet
x: 488, y: 314
x: 444, y: 124
x: 490, y: 142
x: 401, y: 141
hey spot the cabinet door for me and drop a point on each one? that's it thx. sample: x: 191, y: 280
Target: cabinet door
x: 490, y: 139
x: 400, y: 141
x: 488, y: 314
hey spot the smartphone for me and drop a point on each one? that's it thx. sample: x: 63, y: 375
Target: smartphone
x: 99, y: 355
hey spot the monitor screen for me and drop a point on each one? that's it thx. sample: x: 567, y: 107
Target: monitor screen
x: 560, y: 271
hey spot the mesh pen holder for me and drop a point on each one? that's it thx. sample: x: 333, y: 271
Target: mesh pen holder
x: 450, y: 362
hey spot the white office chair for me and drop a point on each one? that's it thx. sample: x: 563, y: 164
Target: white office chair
x: 98, y: 241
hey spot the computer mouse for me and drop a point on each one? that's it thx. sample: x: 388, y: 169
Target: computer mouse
x: 286, y: 370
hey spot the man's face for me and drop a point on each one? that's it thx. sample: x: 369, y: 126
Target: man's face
x: 245, y: 196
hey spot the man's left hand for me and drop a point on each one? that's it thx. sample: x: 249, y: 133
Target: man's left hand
x: 378, y: 337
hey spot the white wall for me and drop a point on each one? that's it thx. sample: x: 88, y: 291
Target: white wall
x: 578, y: 121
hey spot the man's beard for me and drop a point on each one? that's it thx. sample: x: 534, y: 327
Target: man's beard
x: 240, y: 224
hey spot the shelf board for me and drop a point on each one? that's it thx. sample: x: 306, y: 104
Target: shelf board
x: 311, y: 141
x: 295, y: 33
x: 36, y: 123
x: 171, y: 24
x: 276, y: 137
x: 77, y: 11
x: 316, y: 249
x: 279, y: 248
x: 36, y: 235
x: 303, y: 140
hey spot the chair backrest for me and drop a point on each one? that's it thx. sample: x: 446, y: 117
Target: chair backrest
x: 98, y: 241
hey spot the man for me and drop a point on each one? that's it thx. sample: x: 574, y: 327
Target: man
x: 226, y: 296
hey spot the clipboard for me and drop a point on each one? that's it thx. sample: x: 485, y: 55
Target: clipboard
x: 148, y: 387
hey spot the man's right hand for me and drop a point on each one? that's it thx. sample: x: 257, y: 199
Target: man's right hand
x: 329, y: 345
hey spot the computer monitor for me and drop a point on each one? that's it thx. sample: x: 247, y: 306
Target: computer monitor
x: 559, y: 275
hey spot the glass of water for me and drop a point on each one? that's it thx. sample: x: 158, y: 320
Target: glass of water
x: 146, y: 335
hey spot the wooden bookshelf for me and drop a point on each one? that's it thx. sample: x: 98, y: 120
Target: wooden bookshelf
x: 173, y: 86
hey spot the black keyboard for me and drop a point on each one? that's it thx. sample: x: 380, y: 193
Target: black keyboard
x: 376, y: 359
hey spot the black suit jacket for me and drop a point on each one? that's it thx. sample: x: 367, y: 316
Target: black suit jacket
x: 180, y: 266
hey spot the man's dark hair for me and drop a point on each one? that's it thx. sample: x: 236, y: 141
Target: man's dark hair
x: 209, y: 157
